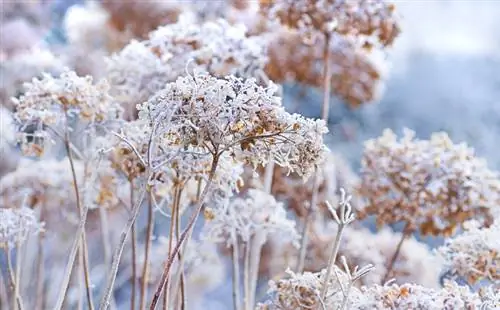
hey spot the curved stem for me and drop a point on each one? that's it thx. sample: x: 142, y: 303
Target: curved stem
x: 331, y: 261
x: 185, y: 234
x: 86, y: 272
x: 173, y: 211
x: 236, y: 273
x: 392, y: 262
x: 105, y: 300
x: 307, y: 222
x: 71, y: 260
x: 134, y: 251
x: 145, y: 265
x: 180, y: 256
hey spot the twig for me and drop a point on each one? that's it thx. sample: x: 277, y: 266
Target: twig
x: 145, y: 265
x: 185, y: 234
x: 134, y: 251
x: 392, y: 262
x: 105, y: 300
x: 236, y: 272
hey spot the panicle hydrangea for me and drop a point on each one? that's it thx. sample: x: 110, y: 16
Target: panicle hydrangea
x: 432, y: 185
x: 135, y: 73
x: 46, y: 100
x: 24, y: 66
x: 16, y: 224
x: 238, y: 117
x: 356, y: 76
x: 411, y: 296
x: 474, y: 255
x: 143, y: 68
x: 49, y: 184
x: 301, y: 291
x: 258, y: 213
x: 215, y: 47
x: 372, y: 20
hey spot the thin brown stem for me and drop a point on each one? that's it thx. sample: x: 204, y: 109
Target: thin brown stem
x: 331, y: 261
x: 71, y: 260
x: 236, y: 273
x: 134, y: 251
x: 105, y: 300
x: 173, y: 211
x: 327, y: 80
x: 180, y: 256
x: 86, y: 271
x: 185, y: 234
x: 307, y: 222
x: 147, y: 247
x: 40, y: 272
x: 392, y: 262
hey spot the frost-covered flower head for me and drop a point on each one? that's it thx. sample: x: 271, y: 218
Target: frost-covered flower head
x: 301, y: 291
x: 47, y: 100
x: 411, y: 296
x: 16, y: 224
x: 433, y: 185
x: 372, y: 19
x: 246, y: 217
x: 24, y: 66
x: 85, y: 25
x: 474, y: 255
x: 356, y: 75
x: 48, y: 184
x: 235, y: 116
x: 143, y: 68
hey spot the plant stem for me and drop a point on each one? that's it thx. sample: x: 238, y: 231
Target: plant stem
x: 246, y: 276
x: 255, y: 250
x: 145, y: 265
x: 173, y: 211
x: 331, y: 261
x: 327, y: 80
x: 40, y: 270
x: 105, y: 300
x: 392, y: 262
x: 346, y: 296
x: 185, y: 234
x: 86, y: 272
x: 71, y: 260
x: 134, y: 251
x: 236, y: 273
x: 268, y: 177
x: 325, y: 111
x: 17, y: 285
x: 307, y: 222
x: 180, y: 255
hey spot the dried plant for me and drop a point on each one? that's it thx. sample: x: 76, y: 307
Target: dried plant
x: 432, y: 186
x: 474, y: 255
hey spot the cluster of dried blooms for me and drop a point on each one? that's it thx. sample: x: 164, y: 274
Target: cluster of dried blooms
x: 474, y: 255
x: 119, y: 196
x: 432, y: 186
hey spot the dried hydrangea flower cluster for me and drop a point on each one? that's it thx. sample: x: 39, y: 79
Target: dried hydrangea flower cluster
x: 46, y: 184
x: 373, y: 19
x: 411, y: 296
x: 256, y: 214
x: 474, y: 255
x: 143, y: 68
x: 16, y: 225
x: 48, y: 99
x: 356, y: 78
x: 302, y: 291
x: 24, y: 66
x: 141, y: 17
x: 234, y: 116
x: 432, y: 185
